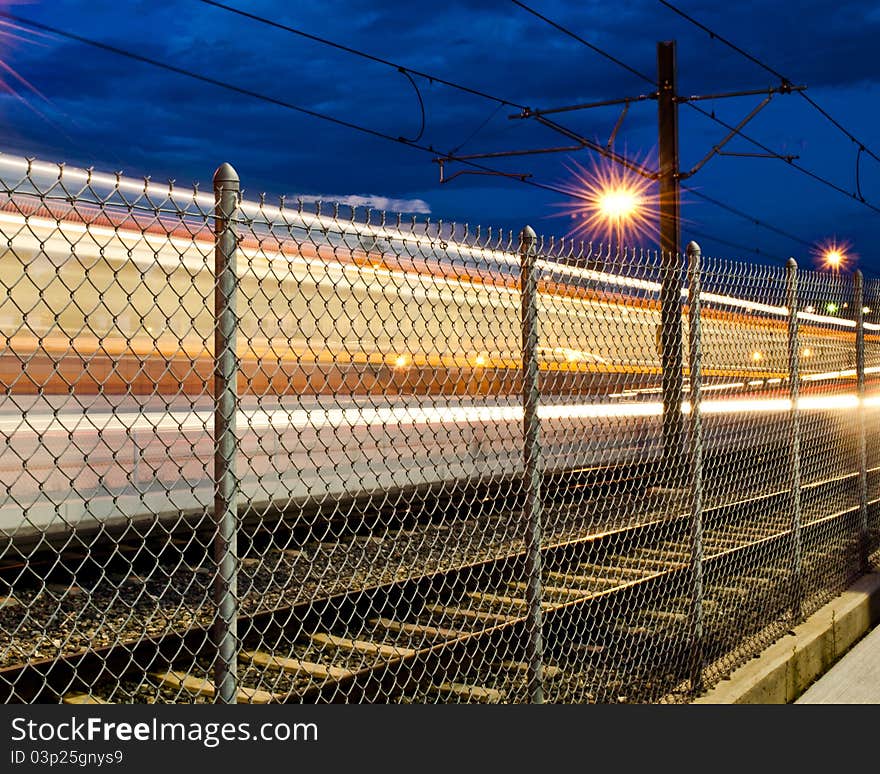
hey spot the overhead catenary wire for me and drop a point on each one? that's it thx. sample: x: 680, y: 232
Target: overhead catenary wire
x: 483, y: 124
x: 256, y: 95
x: 407, y: 71
x: 585, y: 42
x: 269, y: 99
x: 356, y: 52
x: 725, y: 242
x: 715, y: 36
x: 814, y: 175
x: 751, y: 218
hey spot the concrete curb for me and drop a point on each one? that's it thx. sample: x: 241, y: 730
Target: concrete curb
x: 788, y: 667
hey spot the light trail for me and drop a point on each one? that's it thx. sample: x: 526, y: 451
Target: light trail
x: 393, y: 416
x: 274, y: 217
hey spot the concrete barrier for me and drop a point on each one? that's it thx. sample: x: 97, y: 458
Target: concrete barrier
x: 788, y: 667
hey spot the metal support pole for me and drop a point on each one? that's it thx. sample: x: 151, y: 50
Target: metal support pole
x: 531, y: 462
x: 696, y: 460
x: 671, y: 358
x: 794, y: 438
x: 226, y: 194
x: 859, y: 292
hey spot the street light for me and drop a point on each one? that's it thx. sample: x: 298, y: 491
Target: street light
x: 834, y: 255
x: 610, y: 200
x: 834, y: 259
x: 619, y: 205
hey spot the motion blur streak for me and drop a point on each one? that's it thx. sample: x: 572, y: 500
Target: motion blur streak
x: 67, y: 422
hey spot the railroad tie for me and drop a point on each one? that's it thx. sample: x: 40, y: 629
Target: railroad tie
x: 584, y: 580
x: 201, y: 686
x: 548, y: 670
x: 646, y: 563
x: 474, y: 615
x: 666, y: 553
x: 409, y: 628
x: 475, y: 692
x: 499, y: 599
x: 83, y: 698
x: 294, y: 665
x: 561, y: 591
x: 606, y: 570
x: 362, y: 646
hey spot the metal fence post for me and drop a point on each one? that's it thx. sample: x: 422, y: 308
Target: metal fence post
x: 859, y: 292
x: 794, y: 437
x: 226, y: 193
x: 696, y: 462
x: 531, y: 461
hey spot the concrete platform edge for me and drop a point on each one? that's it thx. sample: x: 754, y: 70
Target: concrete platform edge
x: 789, y: 666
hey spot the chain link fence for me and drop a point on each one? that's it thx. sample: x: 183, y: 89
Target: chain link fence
x: 257, y: 452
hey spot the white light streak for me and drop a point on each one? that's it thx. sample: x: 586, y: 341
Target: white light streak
x: 290, y: 218
x: 394, y: 416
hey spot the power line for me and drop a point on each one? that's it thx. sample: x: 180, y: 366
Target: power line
x: 746, y: 216
x: 278, y: 102
x: 825, y: 181
x: 589, y: 45
x: 409, y: 72
x: 718, y: 203
x: 734, y: 245
x: 712, y: 116
x: 255, y: 94
x: 500, y: 101
x: 715, y: 36
x: 356, y: 52
x: 478, y: 129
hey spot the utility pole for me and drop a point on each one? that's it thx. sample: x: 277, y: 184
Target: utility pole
x: 673, y: 467
x: 668, y: 177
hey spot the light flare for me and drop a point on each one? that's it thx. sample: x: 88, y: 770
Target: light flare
x: 610, y: 202
x: 834, y: 255
x: 10, y: 32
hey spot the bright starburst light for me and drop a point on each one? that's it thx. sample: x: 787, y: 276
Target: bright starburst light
x: 610, y: 203
x: 834, y: 255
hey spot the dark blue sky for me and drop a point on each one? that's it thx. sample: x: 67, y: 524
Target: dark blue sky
x: 115, y: 114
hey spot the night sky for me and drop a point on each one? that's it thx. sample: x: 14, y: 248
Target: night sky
x: 90, y: 107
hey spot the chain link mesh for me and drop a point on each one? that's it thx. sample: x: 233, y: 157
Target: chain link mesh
x: 456, y: 468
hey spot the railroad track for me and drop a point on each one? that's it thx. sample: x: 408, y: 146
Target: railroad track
x: 607, y: 595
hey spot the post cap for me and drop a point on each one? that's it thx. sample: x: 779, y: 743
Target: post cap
x: 693, y: 248
x: 226, y: 176
x: 527, y: 238
x: 791, y: 263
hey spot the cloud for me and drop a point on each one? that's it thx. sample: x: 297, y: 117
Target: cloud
x: 417, y: 206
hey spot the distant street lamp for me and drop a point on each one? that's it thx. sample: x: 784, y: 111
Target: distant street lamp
x: 834, y: 255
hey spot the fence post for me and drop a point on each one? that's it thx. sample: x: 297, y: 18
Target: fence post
x: 696, y: 463
x: 531, y: 462
x: 226, y: 193
x: 859, y: 292
x: 794, y: 437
